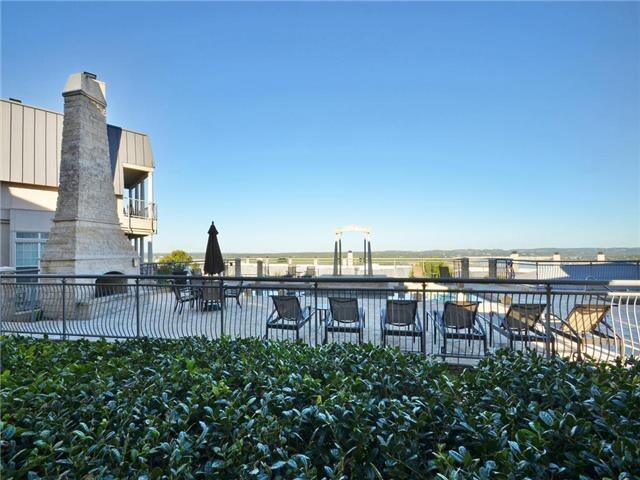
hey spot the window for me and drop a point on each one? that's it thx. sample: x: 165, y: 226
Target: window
x: 29, y: 249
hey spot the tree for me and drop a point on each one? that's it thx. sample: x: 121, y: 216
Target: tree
x: 177, y: 260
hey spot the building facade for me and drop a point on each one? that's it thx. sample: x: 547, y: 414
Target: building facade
x: 30, y: 146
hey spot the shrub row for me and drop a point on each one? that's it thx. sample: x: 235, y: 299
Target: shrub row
x: 194, y: 408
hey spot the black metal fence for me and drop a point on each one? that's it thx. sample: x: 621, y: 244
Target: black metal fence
x: 507, y: 268
x: 460, y: 322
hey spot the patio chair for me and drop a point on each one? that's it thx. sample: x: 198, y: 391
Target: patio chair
x: 459, y: 321
x: 183, y: 294
x: 344, y: 316
x: 209, y: 296
x: 234, y: 291
x: 521, y: 323
x: 586, y: 324
x: 287, y: 314
x: 401, y: 319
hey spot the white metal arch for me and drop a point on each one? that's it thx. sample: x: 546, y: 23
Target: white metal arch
x: 353, y: 228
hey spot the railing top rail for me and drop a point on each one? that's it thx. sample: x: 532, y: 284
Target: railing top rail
x: 348, y: 280
x: 426, y: 259
x: 274, y: 258
x: 565, y: 261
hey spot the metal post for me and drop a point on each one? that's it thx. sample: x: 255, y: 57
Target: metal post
x: 364, y: 258
x: 335, y: 258
x: 137, y: 308
x: 464, y: 268
x: 493, y: 268
x: 424, y: 315
x: 315, y: 299
x: 547, y: 323
x: 369, y: 258
x: 64, y: 308
x: 141, y: 248
x: 222, y: 305
x: 7, y: 295
x: 259, y: 269
x: 340, y: 256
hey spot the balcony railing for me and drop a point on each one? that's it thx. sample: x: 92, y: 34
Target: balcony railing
x: 587, y: 319
x: 132, y: 207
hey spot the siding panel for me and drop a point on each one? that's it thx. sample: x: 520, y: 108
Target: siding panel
x: 139, y: 150
x: 28, y: 144
x: 148, y: 153
x: 59, y: 124
x: 118, y: 180
x: 5, y: 139
x: 16, y: 143
x: 122, y: 151
x: 131, y: 149
x: 51, y: 156
x: 40, y: 153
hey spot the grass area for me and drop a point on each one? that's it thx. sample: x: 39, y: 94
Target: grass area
x: 195, y: 408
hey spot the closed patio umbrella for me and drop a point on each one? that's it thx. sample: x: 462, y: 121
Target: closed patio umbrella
x: 213, y: 262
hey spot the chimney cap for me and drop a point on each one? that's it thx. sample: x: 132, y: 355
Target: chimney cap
x: 87, y: 84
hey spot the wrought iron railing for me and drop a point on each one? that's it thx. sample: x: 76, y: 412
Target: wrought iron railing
x: 27, y: 290
x: 456, y: 321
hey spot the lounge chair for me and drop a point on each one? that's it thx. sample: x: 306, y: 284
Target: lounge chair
x: 234, y: 291
x: 287, y: 314
x: 586, y: 324
x: 521, y: 323
x: 401, y: 319
x: 344, y: 316
x: 459, y: 321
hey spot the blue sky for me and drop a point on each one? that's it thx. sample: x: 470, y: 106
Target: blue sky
x: 439, y: 125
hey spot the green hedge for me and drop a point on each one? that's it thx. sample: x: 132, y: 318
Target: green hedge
x: 194, y: 408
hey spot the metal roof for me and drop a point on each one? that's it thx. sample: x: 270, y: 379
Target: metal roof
x: 31, y: 140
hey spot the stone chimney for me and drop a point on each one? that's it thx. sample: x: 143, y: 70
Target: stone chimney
x: 86, y: 238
